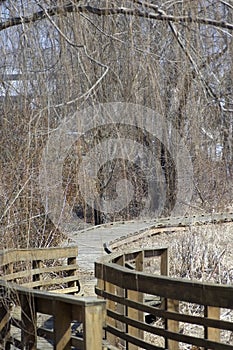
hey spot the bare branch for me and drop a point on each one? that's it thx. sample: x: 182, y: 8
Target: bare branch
x: 71, y: 7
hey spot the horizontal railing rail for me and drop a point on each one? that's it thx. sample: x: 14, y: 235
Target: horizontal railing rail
x: 63, y: 310
x: 126, y: 292
x: 42, y: 268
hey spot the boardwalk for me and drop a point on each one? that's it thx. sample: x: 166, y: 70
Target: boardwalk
x: 90, y: 241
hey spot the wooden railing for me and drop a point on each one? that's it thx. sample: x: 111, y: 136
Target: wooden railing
x: 127, y: 292
x: 63, y: 311
x: 24, y: 311
x: 53, y: 268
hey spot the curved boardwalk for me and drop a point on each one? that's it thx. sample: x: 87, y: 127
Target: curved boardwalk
x: 90, y: 241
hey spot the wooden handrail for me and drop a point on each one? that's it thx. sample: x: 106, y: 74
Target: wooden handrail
x: 40, y: 268
x: 46, y: 268
x: 63, y: 308
x: 8, y: 256
x: 114, y: 276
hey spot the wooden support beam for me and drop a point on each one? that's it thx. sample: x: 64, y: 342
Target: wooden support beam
x: 121, y: 309
x: 172, y: 325
x: 36, y: 264
x: 111, y: 305
x: 72, y: 261
x: 93, y: 327
x: 4, y: 325
x: 29, y: 322
x: 212, y: 333
x: 62, y: 325
x: 138, y: 297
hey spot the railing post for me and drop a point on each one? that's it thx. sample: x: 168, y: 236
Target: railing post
x: 164, y: 265
x: 136, y: 296
x: 71, y: 261
x: 110, y: 305
x: 4, y: 325
x: 121, y: 308
x: 36, y: 264
x: 62, y: 320
x: 172, y: 325
x: 29, y: 322
x: 164, y: 270
x: 212, y: 333
x: 93, y: 327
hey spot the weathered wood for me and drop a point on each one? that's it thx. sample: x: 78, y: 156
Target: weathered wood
x: 4, y: 325
x: 210, y: 332
x: 16, y: 255
x: 62, y: 329
x: 63, y: 309
x: 92, y: 326
x: 120, y: 308
x: 135, y: 314
x: 71, y: 261
x: 178, y: 289
x: 164, y: 263
x: 37, y: 264
x: 67, y: 290
x: 110, y: 305
x: 42, y: 270
x: 36, y: 274
x: 178, y: 337
x: 172, y: 325
x: 212, y: 296
x: 157, y: 312
x: 50, y: 281
x: 28, y: 322
x: 130, y: 339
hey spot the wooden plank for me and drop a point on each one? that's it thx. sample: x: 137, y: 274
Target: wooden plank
x: 21, y: 274
x: 68, y: 290
x: 120, y: 308
x: 50, y: 281
x: 130, y: 339
x: 164, y: 264
x: 36, y: 264
x: 172, y: 325
x: 131, y: 254
x: 28, y: 322
x: 93, y: 327
x: 62, y: 325
x: 151, y: 253
x: 110, y: 305
x: 16, y: 255
x: 157, y: 312
x: 4, y: 325
x: 49, y: 296
x: 72, y: 261
x: 164, y: 271
x: 210, y: 332
x: 138, y: 297
x: 177, y: 289
x: 178, y: 337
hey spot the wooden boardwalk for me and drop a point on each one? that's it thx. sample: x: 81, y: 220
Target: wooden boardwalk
x: 91, y: 240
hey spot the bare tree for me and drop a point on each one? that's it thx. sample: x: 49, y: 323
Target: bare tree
x: 58, y: 57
